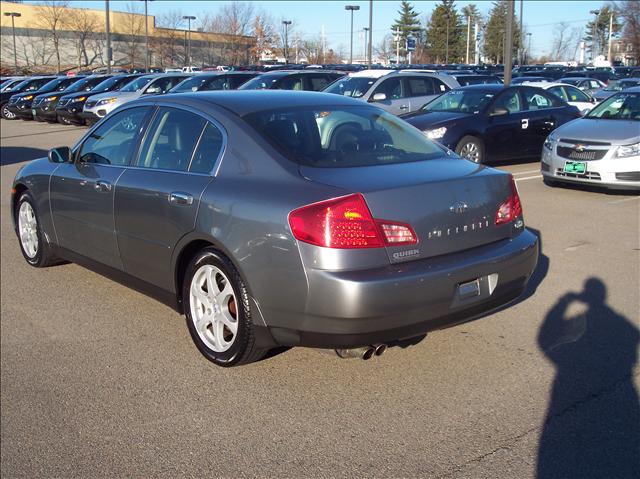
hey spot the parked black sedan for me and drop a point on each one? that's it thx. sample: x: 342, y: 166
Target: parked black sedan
x: 311, y: 80
x: 69, y: 108
x: 21, y: 103
x: 27, y: 85
x: 44, y: 106
x: 493, y: 122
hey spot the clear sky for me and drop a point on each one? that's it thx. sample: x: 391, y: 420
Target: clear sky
x: 308, y: 17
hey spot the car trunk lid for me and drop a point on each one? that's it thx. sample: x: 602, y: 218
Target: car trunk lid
x: 450, y: 203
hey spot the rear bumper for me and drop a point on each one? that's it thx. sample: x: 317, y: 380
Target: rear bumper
x: 349, y: 309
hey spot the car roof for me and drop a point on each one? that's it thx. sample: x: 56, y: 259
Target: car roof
x: 547, y: 85
x: 492, y: 87
x: 633, y: 89
x: 243, y: 102
x: 579, y: 78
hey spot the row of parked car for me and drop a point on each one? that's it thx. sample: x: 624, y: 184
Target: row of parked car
x: 473, y: 114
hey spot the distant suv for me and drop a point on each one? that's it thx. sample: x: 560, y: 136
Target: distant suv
x: 309, y: 80
x: 397, y: 92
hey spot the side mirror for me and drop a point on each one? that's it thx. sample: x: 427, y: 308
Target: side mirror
x: 378, y: 97
x: 61, y: 154
x: 499, y: 112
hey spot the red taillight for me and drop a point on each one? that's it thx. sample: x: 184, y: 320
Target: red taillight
x: 511, y: 208
x: 346, y: 222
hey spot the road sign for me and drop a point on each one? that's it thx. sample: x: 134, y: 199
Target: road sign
x: 411, y: 44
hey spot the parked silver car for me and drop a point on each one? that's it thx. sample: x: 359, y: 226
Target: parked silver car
x: 602, y: 149
x: 101, y: 105
x: 397, y: 92
x: 273, y: 218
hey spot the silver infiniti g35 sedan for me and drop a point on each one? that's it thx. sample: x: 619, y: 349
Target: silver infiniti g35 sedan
x: 601, y: 149
x: 273, y: 218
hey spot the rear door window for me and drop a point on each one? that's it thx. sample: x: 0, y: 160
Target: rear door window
x: 420, y: 86
x: 573, y: 94
x: 559, y: 92
x: 539, y: 100
x: 318, y: 82
x: 440, y: 86
x: 171, y: 140
x: 208, y: 150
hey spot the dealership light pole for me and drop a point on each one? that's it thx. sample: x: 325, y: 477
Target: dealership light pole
x: 594, y: 33
x: 146, y: 36
x: 188, y: 18
x: 508, y: 45
x: 351, y: 8
x: 370, y: 47
x: 364, y: 52
x: 529, y: 49
x: 286, y: 24
x: 13, y: 16
x: 447, y: 46
x: 108, y: 34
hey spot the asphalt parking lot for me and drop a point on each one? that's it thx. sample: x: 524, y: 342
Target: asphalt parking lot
x: 98, y: 380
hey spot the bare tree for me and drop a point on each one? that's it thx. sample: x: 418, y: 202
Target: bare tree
x: 133, y: 27
x: 234, y: 20
x: 51, y: 17
x: 83, y: 26
x: 629, y: 11
x: 385, y: 49
x: 265, y: 33
x: 167, y: 42
x: 564, y: 41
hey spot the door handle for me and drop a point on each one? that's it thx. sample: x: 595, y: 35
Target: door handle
x: 404, y: 107
x: 178, y: 198
x: 550, y: 123
x: 102, y: 186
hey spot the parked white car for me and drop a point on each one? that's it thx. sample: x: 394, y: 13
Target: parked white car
x: 569, y: 93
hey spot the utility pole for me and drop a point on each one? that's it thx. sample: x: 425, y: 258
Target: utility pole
x: 476, y: 59
x: 323, y: 45
x: 529, y: 49
x: 364, y: 48
x: 146, y: 39
x: 468, y: 38
x: 594, y: 41
x: 447, y: 46
x: 108, y: 34
x: 13, y: 16
x: 520, y: 37
x: 610, y: 52
x: 397, y: 46
x: 286, y: 24
x: 508, y: 46
x: 188, y: 18
x: 369, y: 50
x: 351, y: 8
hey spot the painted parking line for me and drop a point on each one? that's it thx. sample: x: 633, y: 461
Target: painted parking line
x: 525, y: 172
x: 528, y: 178
x: 624, y: 200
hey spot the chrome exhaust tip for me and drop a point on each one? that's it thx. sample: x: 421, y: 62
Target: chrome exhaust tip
x: 365, y: 353
x: 379, y: 349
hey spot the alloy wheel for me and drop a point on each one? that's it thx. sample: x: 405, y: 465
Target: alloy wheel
x: 213, y: 308
x: 28, y: 229
x: 6, y: 113
x: 471, y: 152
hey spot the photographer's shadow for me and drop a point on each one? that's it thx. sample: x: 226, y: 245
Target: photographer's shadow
x: 592, y: 428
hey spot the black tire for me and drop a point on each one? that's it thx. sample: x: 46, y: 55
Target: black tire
x: 43, y: 256
x: 243, y: 349
x: 5, y: 113
x: 548, y: 182
x: 473, y: 143
x: 64, y: 120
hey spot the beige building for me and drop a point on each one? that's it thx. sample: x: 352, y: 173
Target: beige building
x: 80, y: 35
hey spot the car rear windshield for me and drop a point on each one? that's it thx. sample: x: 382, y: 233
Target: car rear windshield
x: 334, y: 137
x: 460, y: 101
x: 354, y: 87
x: 623, y: 106
x: 261, y: 82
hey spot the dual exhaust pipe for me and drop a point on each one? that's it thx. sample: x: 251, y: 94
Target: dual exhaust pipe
x: 365, y: 353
